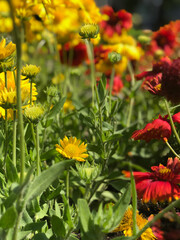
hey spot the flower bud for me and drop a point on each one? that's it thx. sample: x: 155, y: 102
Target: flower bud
x: 114, y: 57
x: 89, y: 30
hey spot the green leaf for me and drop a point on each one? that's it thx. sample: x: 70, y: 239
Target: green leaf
x: 56, y: 109
x: 125, y: 238
x: 36, y: 226
x: 8, y: 218
x: 46, y: 178
x: 84, y: 214
x: 102, y: 89
x: 58, y: 226
x: 40, y: 236
x: 120, y: 207
x: 67, y: 215
x: 11, y: 170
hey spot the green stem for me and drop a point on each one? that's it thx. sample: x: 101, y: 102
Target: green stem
x: 134, y: 204
x: 6, y: 125
x: 19, y: 37
x: 37, y: 151
x: 111, y: 87
x: 172, y: 150
x: 67, y: 185
x: 92, y: 67
x: 30, y: 91
x: 14, y: 137
x: 171, y: 121
x: 33, y: 133
x: 131, y: 72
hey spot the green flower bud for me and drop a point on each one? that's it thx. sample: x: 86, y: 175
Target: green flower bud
x: 89, y: 30
x: 114, y: 57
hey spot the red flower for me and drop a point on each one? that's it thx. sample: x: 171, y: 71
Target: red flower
x: 116, y: 22
x: 159, y: 185
x: 158, y: 129
x: 79, y: 54
x: 163, y: 79
x: 117, y: 85
x: 171, y: 81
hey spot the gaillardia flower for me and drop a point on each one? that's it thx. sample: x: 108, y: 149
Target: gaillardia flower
x: 162, y: 184
x: 6, y: 50
x: 34, y: 112
x: 163, y: 79
x: 126, y: 226
x: 72, y: 148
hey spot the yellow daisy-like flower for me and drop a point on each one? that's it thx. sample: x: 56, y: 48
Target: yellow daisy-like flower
x: 126, y: 226
x: 72, y: 148
x: 30, y: 70
x: 6, y: 50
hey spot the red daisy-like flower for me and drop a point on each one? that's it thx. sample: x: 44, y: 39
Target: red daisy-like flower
x: 73, y: 55
x: 153, y: 78
x: 171, y: 81
x: 159, y: 185
x: 163, y: 79
x: 116, y: 21
x: 158, y: 129
x: 166, y: 38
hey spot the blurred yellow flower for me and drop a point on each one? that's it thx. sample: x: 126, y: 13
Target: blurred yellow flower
x: 126, y: 226
x: 72, y: 148
x: 30, y: 71
x: 68, y: 106
x: 6, y: 50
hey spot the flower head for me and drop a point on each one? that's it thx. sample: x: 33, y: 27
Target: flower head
x: 115, y: 22
x: 30, y: 71
x: 159, y: 185
x: 126, y: 225
x: 157, y: 129
x: 72, y: 148
x: 34, y: 112
x: 89, y: 30
x: 6, y: 51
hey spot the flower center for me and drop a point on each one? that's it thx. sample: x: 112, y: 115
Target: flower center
x: 164, y: 170
x: 71, y: 150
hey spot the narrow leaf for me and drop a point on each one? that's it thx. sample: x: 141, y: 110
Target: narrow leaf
x: 56, y: 109
x: 8, y: 218
x: 84, y: 214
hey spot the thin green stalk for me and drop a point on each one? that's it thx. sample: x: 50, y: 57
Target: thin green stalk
x: 6, y: 124
x: 37, y: 152
x: 172, y: 150
x: 131, y: 72
x: 30, y: 91
x: 111, y: 87
x: 19, y: 37
x: 14, y: 137
x: 91, y: 59
x: 171, y: 121
x: 134, y: 204
x: 67, y: 185
x: 33, y: 133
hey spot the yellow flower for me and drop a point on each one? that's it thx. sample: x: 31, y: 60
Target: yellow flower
x: 8, y: 98
x: 30, y: 70
x: 68, y: 106
x: 6, y: 50
x: 72, y: 148
x: 126, y: 225
x: 34, y: 112
x: 89, y: 30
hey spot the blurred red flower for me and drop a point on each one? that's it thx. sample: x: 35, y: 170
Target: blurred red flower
x: 116, y: 21
x: 117, y: 85
x: 73, y: 56
x: 159, y: 185
x: 163, y: 79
